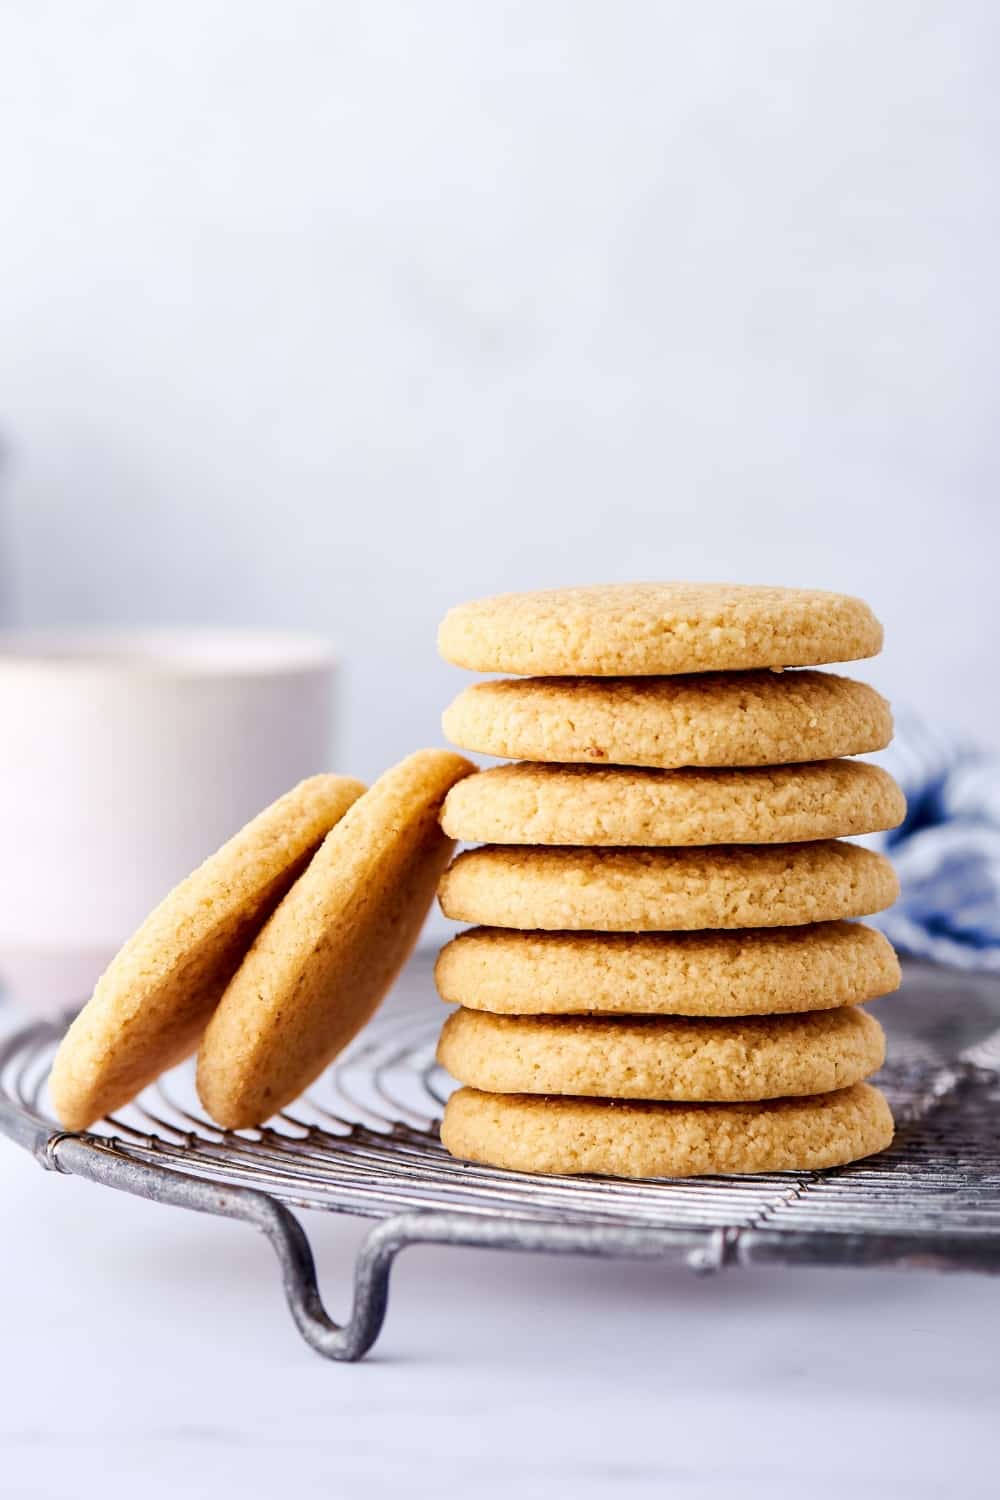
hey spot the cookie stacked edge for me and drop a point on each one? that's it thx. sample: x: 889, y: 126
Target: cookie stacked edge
x: 663, y: 978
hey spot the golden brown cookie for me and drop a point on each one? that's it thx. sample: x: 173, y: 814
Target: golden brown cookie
x: 730, y: 719
x: 529, y: 803
x: 766, y: 971
x: 152, y: 1003
x: 656, y: 1057
x: 528, y: 1133
x: 641, y: 629
x: 666, y: 890
x: 322, y: 963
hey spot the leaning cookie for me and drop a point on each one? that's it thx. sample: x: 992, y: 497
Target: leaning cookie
x: 528, y: 1133
x: 666, y: 890
x: 320, y: 966
x: 639, y: 629
x: 152, y: 1003
x: 764, y: 971
x: 530, y: 803
x: 720, y: 719
x: 659, y: 1057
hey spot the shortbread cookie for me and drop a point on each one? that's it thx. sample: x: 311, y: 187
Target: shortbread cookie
x: 528, y: 1133
x: 766, y: 971
x: 664, y: 890
x: 642, y: 629
x: 151, y: 1005
x: 655, y: 1057
x: 322, y: 963
x: 731, y: 719
x: 530, y: 803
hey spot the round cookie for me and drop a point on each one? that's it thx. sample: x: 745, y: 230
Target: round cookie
x: 152, y: 1003
x: 322, y: 963
x: 666, y: 890
x: 767, y: 971
x: 730, y: 719
x: 531, y: 803
x: 642, y: 629
x: 528, y: 1133
x: 654, y: 1057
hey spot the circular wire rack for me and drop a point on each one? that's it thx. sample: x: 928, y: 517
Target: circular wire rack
x: 364, y: 1141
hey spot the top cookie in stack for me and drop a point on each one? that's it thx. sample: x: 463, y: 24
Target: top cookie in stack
x: 665, y: 850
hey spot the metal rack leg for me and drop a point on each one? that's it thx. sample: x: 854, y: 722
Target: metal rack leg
x: 84, y: 1157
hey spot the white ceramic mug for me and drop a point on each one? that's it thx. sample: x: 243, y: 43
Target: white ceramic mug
x: 125, y: 759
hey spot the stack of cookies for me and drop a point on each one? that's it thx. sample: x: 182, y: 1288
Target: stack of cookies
x: 664, y: 978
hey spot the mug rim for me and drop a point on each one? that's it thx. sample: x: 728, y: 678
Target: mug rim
x: 164, y: 651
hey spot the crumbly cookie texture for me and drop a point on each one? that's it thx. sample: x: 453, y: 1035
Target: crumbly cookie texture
x: 152, y: 1003
x: 663, y: 890
x: 653, y: 1057
x: 657, y: 628
x: 531, y: 803
x: 729, y: 719
x: 322, y: 963
x: 766, y: 971
x: 528, y: 1133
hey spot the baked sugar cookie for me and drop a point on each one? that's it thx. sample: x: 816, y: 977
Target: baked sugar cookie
x: 152, y: 1003
x: 655, y: 1057
x: 531, y: 803
x: 664, y: 890
x: 528, y: 1133
x: 322, y: 963
x: 766, y: 971
x: 730, y: 719
x: 642, y: 629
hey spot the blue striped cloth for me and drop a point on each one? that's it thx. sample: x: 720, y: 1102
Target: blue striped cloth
x: 947, y: 852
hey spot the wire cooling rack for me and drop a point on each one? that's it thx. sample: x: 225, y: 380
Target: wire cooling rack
x: 365, y: 1141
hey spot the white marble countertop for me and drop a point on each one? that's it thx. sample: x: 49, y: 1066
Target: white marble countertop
x: 150, y: 1348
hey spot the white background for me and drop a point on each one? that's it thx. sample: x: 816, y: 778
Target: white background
x: 331, y: 314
